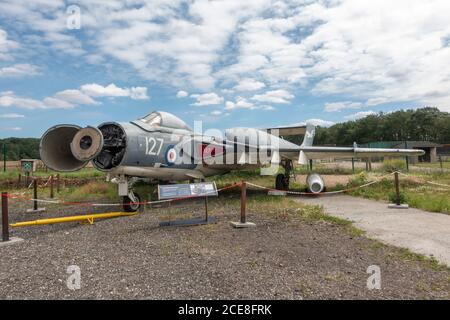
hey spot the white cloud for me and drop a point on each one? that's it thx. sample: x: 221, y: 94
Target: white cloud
x: 19, y: 70
x: 320, y: 122
x: 139, y: 93
x: 111, y: 90
x: 11, y: 128
x: 11, y: 116
x: 394, y: 50
x: 338, y: 106
x: 180, y: 49
x: 229, y: 105
x: 55, y: 103
x: 182, y: 94
x: 275, y: 96
x: 8, y: 99
x: 6, y: 46
x: 76, y: 97
x: 241, y: 103
x: 216, y: 113
x: 375, y: 51
x: 314, y: 122
x: 97, y: 90
x: 376, y: 101
x: 248, y: 84
x: 207, y: 99
x: 360, y: 115
x: 71, y: 98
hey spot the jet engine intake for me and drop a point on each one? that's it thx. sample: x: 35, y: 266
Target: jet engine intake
x: 56, y: 148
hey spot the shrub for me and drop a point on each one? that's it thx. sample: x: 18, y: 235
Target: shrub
x: 391, y: 165
x: 392, y: 196
x: 358, y: 180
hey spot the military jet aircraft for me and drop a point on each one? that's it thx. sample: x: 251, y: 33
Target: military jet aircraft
x: 160, y: 147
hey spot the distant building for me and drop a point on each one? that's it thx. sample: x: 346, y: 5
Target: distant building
x: 430, y: 148
x: 444, y: 152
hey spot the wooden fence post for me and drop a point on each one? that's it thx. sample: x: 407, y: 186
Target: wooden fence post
x: 5, y: 217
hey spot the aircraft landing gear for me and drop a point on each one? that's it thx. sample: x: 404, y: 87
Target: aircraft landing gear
x: 282, y: 180
x: 131, y: 203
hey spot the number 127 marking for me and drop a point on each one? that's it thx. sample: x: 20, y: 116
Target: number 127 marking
x: 153, y: 146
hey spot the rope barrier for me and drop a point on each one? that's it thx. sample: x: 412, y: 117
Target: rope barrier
x: 312, y: 193
x: 426, y: 181
x: 88, y: 204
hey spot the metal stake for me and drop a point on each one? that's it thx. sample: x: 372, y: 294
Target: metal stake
x: 58, y: 187
x: 206, y: 209
x: 243, y: 201
x: 35, y: 204
x: 5, y: 222
x: 4, y: 156
x: 51, y: 187
x: 406, y: 158
x: 397, y: 188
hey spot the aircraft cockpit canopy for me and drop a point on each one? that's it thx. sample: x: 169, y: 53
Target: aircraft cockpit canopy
x: 164, y: 119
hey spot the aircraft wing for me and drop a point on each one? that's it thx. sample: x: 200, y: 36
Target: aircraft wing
x: 278, y: 149
x: 353, y: 152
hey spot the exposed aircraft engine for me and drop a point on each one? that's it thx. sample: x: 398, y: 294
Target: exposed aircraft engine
x: 315, y: 183
x: 69, y: 147
x: 55, y: 148
x: 114, y: 146
x: 87, y: 143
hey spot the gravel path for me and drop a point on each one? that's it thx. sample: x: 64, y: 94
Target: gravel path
x: 132, y: 257
x: 420, y: 231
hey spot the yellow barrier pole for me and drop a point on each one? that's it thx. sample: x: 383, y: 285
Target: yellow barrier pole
x: 89, y: 218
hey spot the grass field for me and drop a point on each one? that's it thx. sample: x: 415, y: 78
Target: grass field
x: 415, y: 190
x: 435, y: 165
x: 83, y: 173
x: 414, y: 187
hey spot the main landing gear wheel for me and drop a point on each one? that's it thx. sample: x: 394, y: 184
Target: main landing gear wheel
x: 131, y: 205
x: 282, y: 182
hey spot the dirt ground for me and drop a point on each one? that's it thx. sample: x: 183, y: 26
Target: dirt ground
x: 133, y: 258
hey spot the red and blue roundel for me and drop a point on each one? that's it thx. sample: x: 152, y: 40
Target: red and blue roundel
x: 171, y: 155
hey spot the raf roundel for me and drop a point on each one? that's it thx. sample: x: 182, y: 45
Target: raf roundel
x: 171, y: 155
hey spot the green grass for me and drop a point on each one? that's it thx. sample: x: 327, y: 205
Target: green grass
x: 83, y: 173
x: 415, y: 191
x: 435, y: 165
x: 90, y: 191
x: 325, y: 170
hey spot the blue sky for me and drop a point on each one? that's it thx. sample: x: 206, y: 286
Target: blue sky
x: 229, y: 63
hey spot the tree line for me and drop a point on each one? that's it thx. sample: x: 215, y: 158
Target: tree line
x: 425, y: 124
x: 20, y: 148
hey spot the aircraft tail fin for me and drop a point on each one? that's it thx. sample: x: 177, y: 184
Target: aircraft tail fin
x: 309, y: 136
x: 307, y: 142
